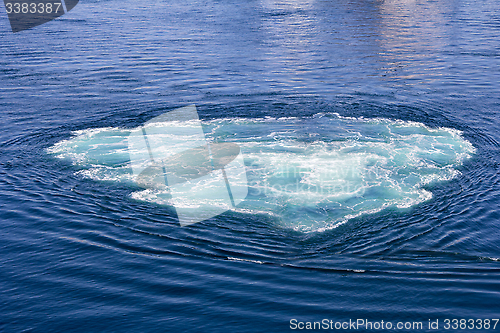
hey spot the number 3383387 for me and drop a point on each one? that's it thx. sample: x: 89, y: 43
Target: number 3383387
x: 32, y: 8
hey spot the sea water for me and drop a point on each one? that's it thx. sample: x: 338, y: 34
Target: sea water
x: 370, y: 137
x: 310, y: 174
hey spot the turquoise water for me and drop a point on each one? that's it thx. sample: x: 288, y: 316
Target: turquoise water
x: 370, y: 136
x: 309, y: 174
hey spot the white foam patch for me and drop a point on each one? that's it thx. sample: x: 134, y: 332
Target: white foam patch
x: 309, y: 174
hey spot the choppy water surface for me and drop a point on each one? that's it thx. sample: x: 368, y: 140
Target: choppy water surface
x: 369, y: 131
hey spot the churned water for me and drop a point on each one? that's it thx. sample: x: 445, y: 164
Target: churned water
x: 370, y: 137
x: 309, y: 174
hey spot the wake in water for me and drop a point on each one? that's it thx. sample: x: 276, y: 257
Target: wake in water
x: 310, y: 174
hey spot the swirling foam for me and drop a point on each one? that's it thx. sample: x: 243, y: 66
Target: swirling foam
x: 310, y: 174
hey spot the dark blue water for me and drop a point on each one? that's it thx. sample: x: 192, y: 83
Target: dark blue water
x: 79, y: 254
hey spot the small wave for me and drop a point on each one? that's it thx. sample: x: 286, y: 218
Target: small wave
x: 247, y: 260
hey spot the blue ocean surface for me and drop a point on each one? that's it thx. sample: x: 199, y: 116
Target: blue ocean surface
x: 370, y: 134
